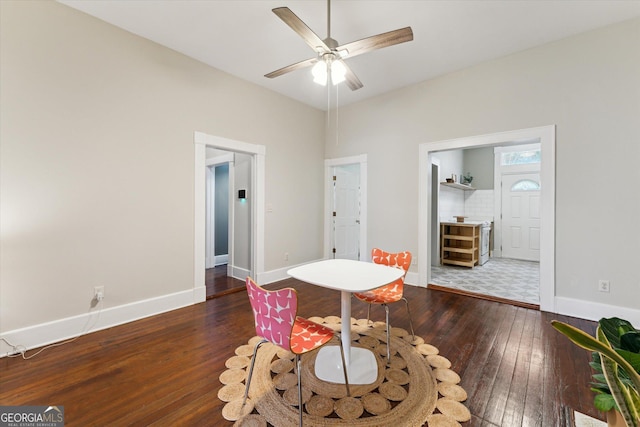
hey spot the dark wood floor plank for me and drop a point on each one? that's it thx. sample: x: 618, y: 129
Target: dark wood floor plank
x: 218, y: 284
x: 514, y: 406
x: 482, y: 389
x: 504, y: 377
x: 531, y: 413
x: 164, y: 370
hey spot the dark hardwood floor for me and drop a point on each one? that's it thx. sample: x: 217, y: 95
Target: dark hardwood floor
x: 164, y: 370
x: 218, y: 283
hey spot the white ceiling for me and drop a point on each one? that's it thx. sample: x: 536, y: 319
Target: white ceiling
x: 244, y: 38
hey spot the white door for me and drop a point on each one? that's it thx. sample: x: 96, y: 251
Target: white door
x: 521, y: 216
x: 346, y: 212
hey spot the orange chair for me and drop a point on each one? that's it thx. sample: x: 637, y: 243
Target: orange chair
x: 392, y: 292
x: 276, y: 321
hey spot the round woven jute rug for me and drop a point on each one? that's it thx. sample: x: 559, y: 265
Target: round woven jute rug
x: 417, y: 388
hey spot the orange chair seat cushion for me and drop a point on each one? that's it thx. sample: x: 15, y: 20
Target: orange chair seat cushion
x: 393, y: 291
x: 383, y: 295
x: 308, y: 335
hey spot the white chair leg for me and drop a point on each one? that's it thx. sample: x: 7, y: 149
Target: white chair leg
x: 253, y: 362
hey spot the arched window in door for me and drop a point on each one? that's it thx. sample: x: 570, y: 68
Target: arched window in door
x: 525, y: 185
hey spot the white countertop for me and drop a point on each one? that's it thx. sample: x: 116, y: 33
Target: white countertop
x: 464, y: 223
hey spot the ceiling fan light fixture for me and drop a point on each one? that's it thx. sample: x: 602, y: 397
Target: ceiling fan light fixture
x: 330, y: 52
x: 338, y: 72
x: 319, y: 72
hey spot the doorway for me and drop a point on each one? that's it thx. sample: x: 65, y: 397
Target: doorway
x: 503, y: 201
x: 543, y: 135
x: 218, y: 207
x: 222, y: 217
x: 346, y: 208
x: 246, y: 232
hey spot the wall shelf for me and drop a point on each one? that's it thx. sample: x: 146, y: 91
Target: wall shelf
x: 464, y: 187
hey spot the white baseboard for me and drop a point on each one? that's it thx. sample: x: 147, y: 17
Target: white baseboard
x: 595, y: 311
x: 221, y: 259
x: 278, y: 274
x: 577, y: 308
x: 413, y: 279
x: 63, y: 329
x: 237, y: 272
x: 97, y: 319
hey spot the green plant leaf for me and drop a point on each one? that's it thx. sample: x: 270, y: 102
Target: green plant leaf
x: 599, y: 378
x: 630, y: 341
x: 586, y: 341
x: 604, y: 402
x: 621, y: 393
x: 622, y: 378
x: 632, y: 358
x: 614, y: 328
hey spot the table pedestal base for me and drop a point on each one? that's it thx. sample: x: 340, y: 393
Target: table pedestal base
x: 362, y: 368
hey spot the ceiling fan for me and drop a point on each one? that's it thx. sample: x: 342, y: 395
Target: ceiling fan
x: 329, y: 62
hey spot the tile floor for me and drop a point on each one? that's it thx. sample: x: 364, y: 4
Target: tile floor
x: 500, y: 277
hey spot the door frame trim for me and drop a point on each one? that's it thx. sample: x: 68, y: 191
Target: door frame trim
x: 342, y: 161
x: 546, y: 136
x: 258, y: 165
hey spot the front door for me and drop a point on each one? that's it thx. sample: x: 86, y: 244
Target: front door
x: 346, y: 212
x: 521, y: 216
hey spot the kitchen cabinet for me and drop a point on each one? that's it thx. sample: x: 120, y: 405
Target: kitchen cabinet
x: 459, y: 243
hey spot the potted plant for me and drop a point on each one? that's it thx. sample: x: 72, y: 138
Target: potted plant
x: 616, y: 360
x: 466, y: 179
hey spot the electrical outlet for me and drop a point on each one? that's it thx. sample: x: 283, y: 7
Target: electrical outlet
x: 603, y: 285
x: 98, y: 293
x: 286, y: 256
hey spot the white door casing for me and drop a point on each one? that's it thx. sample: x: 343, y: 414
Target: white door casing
x: 545, y: 135
x: 258, y: 154
x: 521, y: 216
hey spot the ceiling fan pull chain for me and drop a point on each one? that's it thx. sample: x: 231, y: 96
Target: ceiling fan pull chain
x: 337, y: 110
x: 328, y: 116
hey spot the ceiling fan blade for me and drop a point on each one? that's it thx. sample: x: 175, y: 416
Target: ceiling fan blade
x: 296, y: 24
x: 292, y: 67
x: 390, y: 38
x: 353, y: 81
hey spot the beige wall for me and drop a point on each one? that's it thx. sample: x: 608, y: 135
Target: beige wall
x: 97, y: 158
x: 588, y: 85
x: 97, y: 155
